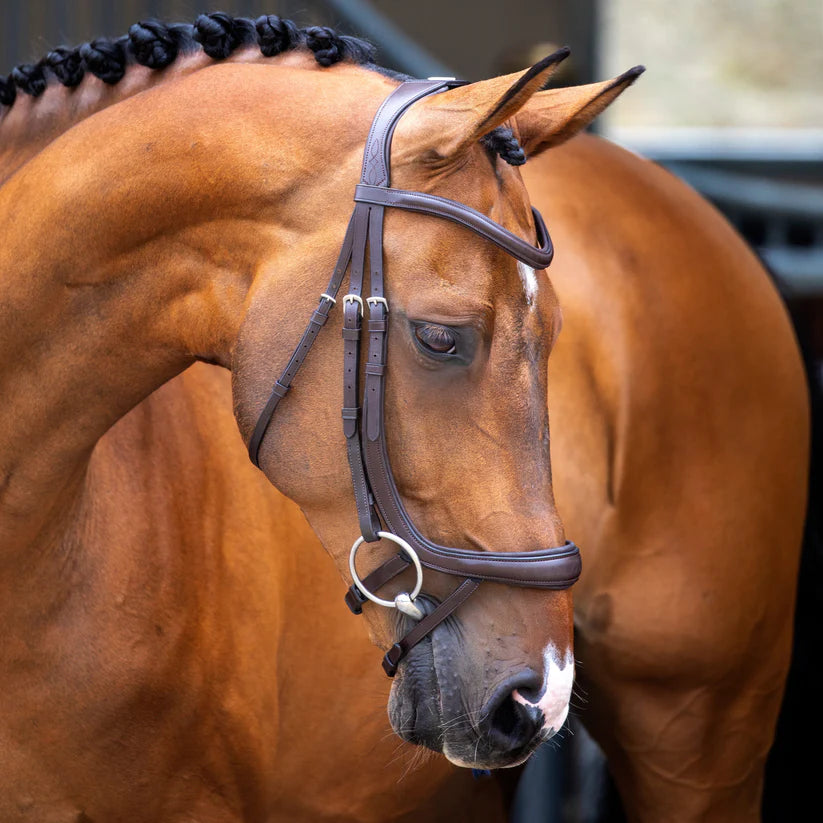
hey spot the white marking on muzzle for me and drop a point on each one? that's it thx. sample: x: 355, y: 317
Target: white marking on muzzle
x: 558, y: 678
x: 529, y: 278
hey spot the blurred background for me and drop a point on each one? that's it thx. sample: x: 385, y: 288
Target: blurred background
x: 731, y: 102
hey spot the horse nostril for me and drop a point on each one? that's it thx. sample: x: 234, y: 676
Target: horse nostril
x: 511, y: 725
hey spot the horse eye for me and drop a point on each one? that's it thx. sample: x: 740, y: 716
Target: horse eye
x: 437, y: 339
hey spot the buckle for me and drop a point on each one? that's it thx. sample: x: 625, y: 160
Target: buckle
x: 373, y: 301
x: 352, y: 298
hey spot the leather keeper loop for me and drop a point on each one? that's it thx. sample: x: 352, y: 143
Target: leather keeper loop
x: 350, y: 334
x: 392, y: 658
x: 319, y: 318
x: 370, y: 524
x: 350, y: 417
x: 279, y: 389
x: 355, y: 600
x: 378, y: 325
x: 375, y: 368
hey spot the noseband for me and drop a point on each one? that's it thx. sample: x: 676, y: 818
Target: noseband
x: 378, y: 501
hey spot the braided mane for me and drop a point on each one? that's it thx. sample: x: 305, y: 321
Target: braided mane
x: 156, y: 45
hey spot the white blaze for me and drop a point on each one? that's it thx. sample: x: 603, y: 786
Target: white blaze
x: 529, y: 278
x: 558, y: 678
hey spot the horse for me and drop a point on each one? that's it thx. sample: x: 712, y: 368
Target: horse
x: 155, y: 236
x: 156, y: 584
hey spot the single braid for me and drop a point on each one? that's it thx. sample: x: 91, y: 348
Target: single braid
x: 30, y: 78
x: 502, y: 141
x: 66, y: 65
x: 154, y: 44
x: 220, y: 34
x: 8, y: 91
x: 326, y: 44
x: 276, y: 35
x: 329, y: 47
x: 105, y: 59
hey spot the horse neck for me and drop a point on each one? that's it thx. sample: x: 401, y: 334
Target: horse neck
x: 130, y: 246
x: 34, y: 122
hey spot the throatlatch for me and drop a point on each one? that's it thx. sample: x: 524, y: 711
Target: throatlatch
x: 375, y: 492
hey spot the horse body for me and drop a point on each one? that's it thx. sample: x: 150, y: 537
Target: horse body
x: 155, y: 583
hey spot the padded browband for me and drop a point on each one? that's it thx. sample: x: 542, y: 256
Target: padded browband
x: 538, y: 257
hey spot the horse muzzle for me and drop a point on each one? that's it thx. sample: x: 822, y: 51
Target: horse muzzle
x: 434, y: 702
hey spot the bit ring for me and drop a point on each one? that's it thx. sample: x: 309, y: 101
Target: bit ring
x: 407, y: 549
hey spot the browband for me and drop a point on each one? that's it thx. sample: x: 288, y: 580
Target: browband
x: 538, y: 257
x: 376, y: 496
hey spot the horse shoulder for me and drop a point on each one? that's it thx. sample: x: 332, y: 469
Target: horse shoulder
x: 155, y: 612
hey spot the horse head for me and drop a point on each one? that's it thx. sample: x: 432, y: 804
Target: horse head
x: 466, y: 423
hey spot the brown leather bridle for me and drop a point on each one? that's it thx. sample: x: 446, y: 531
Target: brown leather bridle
x: 375, y: 491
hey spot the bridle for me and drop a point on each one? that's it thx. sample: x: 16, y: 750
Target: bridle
x: 375, y: 491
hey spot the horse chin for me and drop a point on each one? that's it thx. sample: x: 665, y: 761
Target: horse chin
x: 415, y: 711
x: 509, y: 762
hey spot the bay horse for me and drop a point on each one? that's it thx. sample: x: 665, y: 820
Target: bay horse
x: 173, y: 644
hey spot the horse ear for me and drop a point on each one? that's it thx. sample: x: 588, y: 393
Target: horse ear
x: 449, y: 123
x: 553, y: 116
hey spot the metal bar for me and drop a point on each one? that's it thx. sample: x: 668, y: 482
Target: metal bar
x: 802, y: 271
x: 735, y: 143
x: 753, y: 193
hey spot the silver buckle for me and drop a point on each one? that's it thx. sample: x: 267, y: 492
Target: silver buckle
x: 373, y: 301
x: 351, y: 298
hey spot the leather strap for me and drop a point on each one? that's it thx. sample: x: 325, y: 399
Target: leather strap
x: 352, y: 315
x: 377, y: 153
x: 549, y: 568
x: 378, y: 329
x: 318, y: 319
x: 430, y: 622
x: 538, y: 257
x: 552, y: 568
